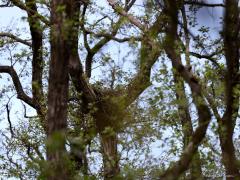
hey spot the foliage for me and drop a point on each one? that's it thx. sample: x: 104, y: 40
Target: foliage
x: 153, y: 90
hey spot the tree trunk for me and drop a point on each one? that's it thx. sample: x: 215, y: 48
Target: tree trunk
x: 110, y: 155
x: 58, y: 164
x: 228, y: 152
x: 227, y: 123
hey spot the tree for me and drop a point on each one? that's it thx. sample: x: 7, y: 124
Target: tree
x: 77, y: 112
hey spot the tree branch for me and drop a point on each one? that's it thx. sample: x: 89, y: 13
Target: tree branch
x: 75, y: 66
x: 9, y: 120
x: 102, y: 42
x: 204, y: 114
x: 148, y: 56
x: 213, y: 106
x: 37, y: 48
x: 18, y: 86
x: 202, y: 3
x: 130, y: 17
x: 129, y: 4
x: 232, y: 55
x: 209, y: 57
x: 149, y: 53
x: 15, y: 38
x: 7, y: 4
x: 22, y: 6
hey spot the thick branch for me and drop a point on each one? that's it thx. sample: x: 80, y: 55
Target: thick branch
x: 149, y: 53
x: 18, y: 86
x: 37, y: 59
x: 232, y: 55
x: 183, y: 106
x: 204, y: 114
x: 123, y: 13
x: 75, y: 67
x: 148, y: 56
x: 79, y: 80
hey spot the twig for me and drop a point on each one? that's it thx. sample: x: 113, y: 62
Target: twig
x: 9, y: 120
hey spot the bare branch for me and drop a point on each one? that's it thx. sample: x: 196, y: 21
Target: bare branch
x: 213, y: 106
x: 7, y: 4
x: 25, y: 112
x: 209, y: 57
x: 130, y: 17
x: 106, y: 38
x: 18, y: 86
x: 186, y: 35
x: 15, y: 38
x: 9, y: 120
x: 129, y: 5
x: 110, y: 36
x: 202, y: 3
x: 99, y: 45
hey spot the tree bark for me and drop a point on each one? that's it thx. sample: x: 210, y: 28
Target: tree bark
x: 110, y: 155
x: 186, y: 122
x: 227, y: 123
x: 58, y: 163
x: 204, y: 115
x: 37, y: 60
